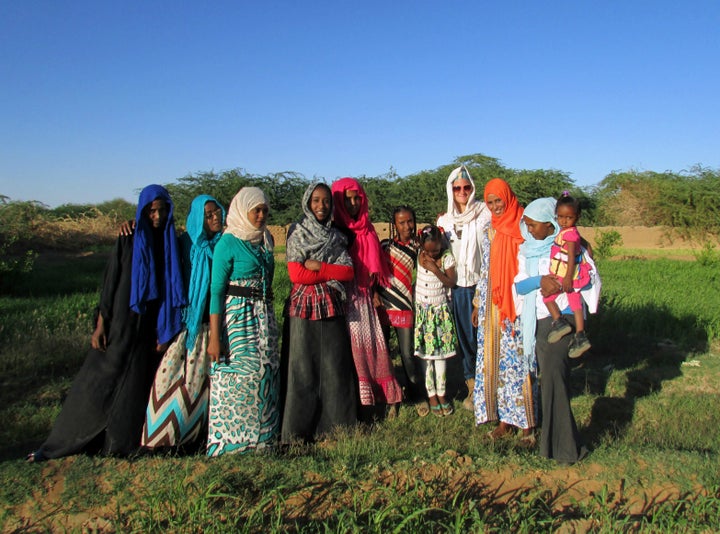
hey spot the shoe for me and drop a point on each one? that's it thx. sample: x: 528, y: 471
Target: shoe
x: 35, y: 457
x: 422, y: 408
x: 437, y: 411
x: 579, y: 345
x: 560, y: 328
x: 447, y: 409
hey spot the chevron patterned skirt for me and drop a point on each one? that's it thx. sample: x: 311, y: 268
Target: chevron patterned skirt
x: 178, y: 407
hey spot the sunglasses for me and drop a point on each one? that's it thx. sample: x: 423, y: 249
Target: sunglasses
x: 466, y: 188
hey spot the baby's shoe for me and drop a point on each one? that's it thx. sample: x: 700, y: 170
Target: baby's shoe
x: 560, y: 328
x: 579, y: 345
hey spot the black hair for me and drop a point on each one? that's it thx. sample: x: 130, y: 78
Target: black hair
x: 566, y: 200
x: 400, y: 209
x: 431, y: 233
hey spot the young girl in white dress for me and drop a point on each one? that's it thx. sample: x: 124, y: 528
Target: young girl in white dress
x: 435, y: 337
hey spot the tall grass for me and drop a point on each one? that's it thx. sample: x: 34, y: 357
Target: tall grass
x: 652, y: 420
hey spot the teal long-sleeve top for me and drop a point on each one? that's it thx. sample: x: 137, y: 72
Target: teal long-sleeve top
x: 235, y: 259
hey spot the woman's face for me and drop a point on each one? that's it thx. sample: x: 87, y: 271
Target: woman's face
x: 258, y: 215
x: 461, y: 192
x: 352, y: 203
x: 213, y: 218
x: 320, y: 203
x: 539, y: 230
x: 495, y: 204
x: 157, y: 213
x: 404, y: 225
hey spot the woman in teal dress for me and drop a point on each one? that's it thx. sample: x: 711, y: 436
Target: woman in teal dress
x: 244, y: 375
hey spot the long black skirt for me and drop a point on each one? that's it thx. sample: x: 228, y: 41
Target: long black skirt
x: 321, y: 384
x: 559, y: 439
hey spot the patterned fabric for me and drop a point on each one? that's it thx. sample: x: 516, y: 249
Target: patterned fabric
x: 559, y: 257
x: 505, y: 379
x: 315, y: 302
x: 178, y: 406
x: 434, y: 332
x: 244, y: 412
x: 372, y: 361
x: 434, y: 329
x: 436, y: 377
x: 398, y: 297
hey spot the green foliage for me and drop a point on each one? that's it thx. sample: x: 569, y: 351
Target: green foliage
x: 607, y: 242
x: 708, y: 256
x: 688, y: 202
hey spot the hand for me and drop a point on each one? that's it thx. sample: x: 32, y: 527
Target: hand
x: 213, y: 349
x: 312, y: 265
x: 567, y: 285
x: 160, y: 348
x: 127, y: 228
x: 427, y: 262
x: 377, y: 301
x: 549, y: 286
x: 98, y: 341
x: 474, y: 317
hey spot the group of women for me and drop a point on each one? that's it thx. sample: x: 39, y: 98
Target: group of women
x: 185, y: 351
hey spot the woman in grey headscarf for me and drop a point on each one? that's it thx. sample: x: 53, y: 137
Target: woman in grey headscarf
x: 321, y: 386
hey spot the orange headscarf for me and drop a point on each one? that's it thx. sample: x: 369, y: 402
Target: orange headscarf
x: 504, y: 247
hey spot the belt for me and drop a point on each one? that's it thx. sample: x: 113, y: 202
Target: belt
x: 255, y: 293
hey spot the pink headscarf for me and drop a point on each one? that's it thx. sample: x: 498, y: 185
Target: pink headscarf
x: 365, y: 249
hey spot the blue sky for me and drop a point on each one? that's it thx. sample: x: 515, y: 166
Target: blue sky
x: 100, y: 98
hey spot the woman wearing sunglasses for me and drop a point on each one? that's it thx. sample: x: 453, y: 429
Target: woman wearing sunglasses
x: 463, y: 225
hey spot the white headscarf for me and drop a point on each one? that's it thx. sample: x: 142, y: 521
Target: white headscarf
x: 465, y: 221
x: 238, y: 223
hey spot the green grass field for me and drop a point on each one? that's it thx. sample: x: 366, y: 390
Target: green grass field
x: 646, y: 399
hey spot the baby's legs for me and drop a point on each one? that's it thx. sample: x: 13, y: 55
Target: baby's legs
x: 575, y: 301
x: 553, y: 308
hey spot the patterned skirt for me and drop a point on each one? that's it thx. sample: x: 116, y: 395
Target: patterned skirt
x: 178, y: 407
x: 244, y: 389
x: 435, y: 337
x: 374, y: 367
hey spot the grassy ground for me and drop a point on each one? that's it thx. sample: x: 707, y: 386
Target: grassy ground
x: 646, y: 398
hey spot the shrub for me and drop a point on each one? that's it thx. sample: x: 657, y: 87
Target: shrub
x: 708, y: 256
x: 607, y: 243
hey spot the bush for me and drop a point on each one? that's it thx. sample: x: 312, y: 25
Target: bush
x: 708, y: 256
x: 606, y: 243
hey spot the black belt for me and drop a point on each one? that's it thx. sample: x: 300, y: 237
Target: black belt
x: 255, y: 293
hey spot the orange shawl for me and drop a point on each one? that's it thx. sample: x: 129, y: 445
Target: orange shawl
x: 504, y: 247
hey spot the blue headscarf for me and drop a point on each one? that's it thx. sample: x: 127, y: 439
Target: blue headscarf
x: 144, y: 282
x: 201, y: 253
x: 540, y: 210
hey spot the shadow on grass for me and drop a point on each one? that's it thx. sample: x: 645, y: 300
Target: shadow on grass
x: 649, y: 344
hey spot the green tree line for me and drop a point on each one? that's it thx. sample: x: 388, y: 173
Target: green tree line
x: 688, y: 201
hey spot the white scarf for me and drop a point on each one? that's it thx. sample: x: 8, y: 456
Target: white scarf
x: 238, y: 223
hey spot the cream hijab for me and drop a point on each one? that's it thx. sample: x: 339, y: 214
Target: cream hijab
x: 238, y: 223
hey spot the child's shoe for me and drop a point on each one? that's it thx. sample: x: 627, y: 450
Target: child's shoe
x: 560, y: 328
x: 579, y: 345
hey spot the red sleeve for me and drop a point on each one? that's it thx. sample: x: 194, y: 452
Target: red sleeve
x: 298, y: 274
x: 328, y: 271
x: 331, y: 271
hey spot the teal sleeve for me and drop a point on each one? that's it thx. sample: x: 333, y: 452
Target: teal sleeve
x: 221, y: 269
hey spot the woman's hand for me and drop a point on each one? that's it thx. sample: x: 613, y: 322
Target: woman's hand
x: 549, y: 285
x: 213, y: 349
x: 126, y: 228
x: 312, y: 265
x: 474, y: 317
x: 98, y: 341
x: 160, y: 348
x: 377, y: 301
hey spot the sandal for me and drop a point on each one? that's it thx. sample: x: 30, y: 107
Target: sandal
x: 527, y: 441
x: 437, y: 411
x: 35, y: 457
x: 422, y: 408
x: 447, y: 409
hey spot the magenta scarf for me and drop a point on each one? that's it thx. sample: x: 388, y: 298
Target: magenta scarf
x: 365, y: 250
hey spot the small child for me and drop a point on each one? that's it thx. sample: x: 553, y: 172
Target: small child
x: 434, y: 329
x: 573, y: 273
